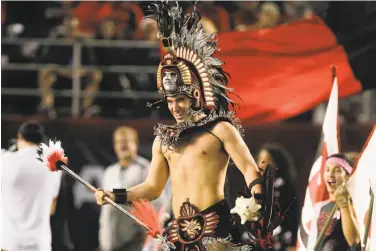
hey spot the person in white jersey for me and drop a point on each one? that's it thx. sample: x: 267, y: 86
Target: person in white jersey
x: 117, y: 232
x: 28, y: 194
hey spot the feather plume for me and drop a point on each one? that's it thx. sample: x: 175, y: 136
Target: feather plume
x: 145, y: 211
x: 51, y: 154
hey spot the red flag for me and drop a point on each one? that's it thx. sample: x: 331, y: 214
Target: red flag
x: 316, y: 193
x: 284, y: 71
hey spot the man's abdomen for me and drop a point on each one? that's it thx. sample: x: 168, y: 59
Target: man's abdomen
x: 201, y: 188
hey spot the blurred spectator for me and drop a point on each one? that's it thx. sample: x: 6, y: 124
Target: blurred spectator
x: 269, y: 16
x: 28, y: 194
x: 294, y: 10
x: 117, y: 232
x: 208, y: 25
x: 86, y: 13
x: 246, y: 14
x: 350, y: 109
x: 123, y: 17
x: 48, y: 76
x: 107, y: 29
x: 213, y: 16
x: 279, y: 157
x: 149, y: 29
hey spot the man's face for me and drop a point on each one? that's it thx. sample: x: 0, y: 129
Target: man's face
x: 263, y: 159
x: 179, y: 107
x: 108, y: 29
x: 169, y: 80
x: 125, y: 145
x: 334, y: 176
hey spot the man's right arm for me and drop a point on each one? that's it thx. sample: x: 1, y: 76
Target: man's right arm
x: 157, y: 177
x: 156, y: 180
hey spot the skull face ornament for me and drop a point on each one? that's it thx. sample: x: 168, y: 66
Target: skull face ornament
x: 170, y: 80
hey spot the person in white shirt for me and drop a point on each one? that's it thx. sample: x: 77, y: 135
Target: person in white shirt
x: 117, y: 232
x: 28, y: 194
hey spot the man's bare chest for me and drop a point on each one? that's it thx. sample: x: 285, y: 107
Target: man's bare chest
x: 199, y: 146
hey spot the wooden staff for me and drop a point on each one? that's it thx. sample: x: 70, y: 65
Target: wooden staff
x: 326, y: 225
x: 368, y: 221
x: 62, y: 166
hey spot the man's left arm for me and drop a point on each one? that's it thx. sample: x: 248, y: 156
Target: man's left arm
x: 348, y: 218
x: 349, y: 225
x: 239, y: 153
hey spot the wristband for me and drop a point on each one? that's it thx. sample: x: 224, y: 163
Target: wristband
x: 120, y: 195
x: 252, y: 184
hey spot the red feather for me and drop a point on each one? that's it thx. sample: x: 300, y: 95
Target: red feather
x: 145, y: 211
x: 54, y: 157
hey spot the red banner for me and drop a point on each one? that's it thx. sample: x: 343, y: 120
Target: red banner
x: 284, y: 71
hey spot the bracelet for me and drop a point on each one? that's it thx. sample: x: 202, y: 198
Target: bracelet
x: 120, y: 195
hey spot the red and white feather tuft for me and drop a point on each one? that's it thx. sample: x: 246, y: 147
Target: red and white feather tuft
x: 145, y: 211
x: 51, y: 154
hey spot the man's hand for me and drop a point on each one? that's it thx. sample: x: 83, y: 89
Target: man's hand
x: 247, y: 209
x: 341, y: 193
x: 100, y: 194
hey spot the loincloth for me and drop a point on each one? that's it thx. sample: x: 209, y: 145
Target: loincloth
x: 211, y: 229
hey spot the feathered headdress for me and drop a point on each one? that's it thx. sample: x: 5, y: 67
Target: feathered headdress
x: 189, y: 54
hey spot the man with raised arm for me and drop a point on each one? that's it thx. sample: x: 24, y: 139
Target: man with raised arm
x: 196, y: 151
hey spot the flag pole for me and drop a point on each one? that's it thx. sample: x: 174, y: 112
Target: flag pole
x: 330, y: 218
x: 368, y: 221
x: 326, y: 225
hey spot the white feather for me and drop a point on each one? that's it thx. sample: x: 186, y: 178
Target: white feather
x: 50, y: 148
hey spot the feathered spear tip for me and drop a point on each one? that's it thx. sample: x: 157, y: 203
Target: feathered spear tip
x: 51, y: 155
x: 145, y: 211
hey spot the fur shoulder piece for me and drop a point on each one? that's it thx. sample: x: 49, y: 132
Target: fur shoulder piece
x: 169, y: 134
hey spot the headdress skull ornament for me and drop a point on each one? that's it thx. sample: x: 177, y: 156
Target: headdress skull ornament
x: 188, y: 66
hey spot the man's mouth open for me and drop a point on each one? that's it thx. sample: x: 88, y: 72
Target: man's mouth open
x: 178, y: 114
x: 332, y: 183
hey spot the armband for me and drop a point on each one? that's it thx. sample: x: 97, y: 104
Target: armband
x: 120, y: 195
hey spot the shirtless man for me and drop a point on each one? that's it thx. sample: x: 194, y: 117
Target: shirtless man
x: 195, y: 152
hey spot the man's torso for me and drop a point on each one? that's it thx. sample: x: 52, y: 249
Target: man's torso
x: 198, y: 167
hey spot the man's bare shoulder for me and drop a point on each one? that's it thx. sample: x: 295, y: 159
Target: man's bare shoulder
x: 227, y: 132
x: 224, y: 128
x: 157, y: 145
x: 158, y: 153
x: 157, y: 141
